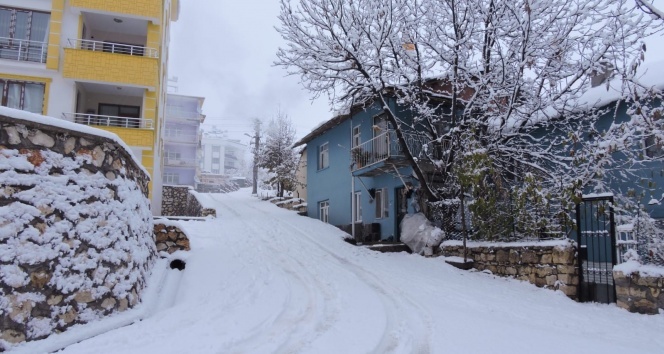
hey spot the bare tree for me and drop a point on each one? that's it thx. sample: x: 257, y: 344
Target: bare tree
x: 649, y: 8
x: 512, y: 74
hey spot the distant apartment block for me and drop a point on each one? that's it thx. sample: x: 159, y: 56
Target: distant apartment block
x: 96, y: 62
x: 182, y: 139
x: 221, y: 155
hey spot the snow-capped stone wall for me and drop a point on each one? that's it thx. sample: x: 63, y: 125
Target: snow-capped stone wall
x: 639, y: 288
x: 170, y: 237
x: 182, y: 201
x: 76, y: 231
x: 549, y: 264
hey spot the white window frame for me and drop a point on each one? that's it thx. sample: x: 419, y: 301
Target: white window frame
x: 356, y: 137
x: 324, y: 211
x: 324, y: 156
x: 382, y: 203
x: 357, y: 207
x: 171, y: 178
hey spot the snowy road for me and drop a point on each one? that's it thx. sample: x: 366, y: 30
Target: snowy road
x: 260, y: 279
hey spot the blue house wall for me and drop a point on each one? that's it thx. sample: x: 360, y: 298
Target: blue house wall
x: 648, y: 182
x: 334, y: 183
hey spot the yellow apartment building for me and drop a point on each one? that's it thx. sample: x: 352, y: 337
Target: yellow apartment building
x: 96, y: 62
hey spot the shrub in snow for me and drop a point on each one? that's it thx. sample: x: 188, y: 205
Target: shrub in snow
x: 418, y: 233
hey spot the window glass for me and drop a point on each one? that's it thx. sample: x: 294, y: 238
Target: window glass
x: 323, y: 157
x: 323, y: 211
x: 378, y: 201
x: 34, y: 98
x: 21, y: 27
x: 14, y: 95
x: 5, y: 21
x: 357, y: 206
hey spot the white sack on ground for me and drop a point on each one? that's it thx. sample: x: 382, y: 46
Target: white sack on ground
x: 417, y: 233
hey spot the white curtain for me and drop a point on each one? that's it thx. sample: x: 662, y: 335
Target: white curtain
x: 14, y: 95
x: 34, y: 98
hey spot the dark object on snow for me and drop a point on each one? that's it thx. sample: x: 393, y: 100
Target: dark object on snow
x: 178, y: 264
x: 461, y: 265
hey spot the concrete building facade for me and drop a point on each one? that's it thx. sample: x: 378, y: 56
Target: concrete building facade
x: 93, y: 62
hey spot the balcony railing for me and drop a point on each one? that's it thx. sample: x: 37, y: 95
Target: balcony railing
x: 180, y: 137
x: 110, y: 47
x: 109, y: 121
x: 23, y: 50
x: 182, y: 114
x: 386, y: 145
x: 169, y: 161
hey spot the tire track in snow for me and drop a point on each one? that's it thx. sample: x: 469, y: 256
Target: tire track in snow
x: 419, y: 340
x: 297, y: 314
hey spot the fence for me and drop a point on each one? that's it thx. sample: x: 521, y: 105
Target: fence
x: 506, y: 222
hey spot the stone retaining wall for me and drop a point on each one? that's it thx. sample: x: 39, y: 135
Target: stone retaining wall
x: 170, y: 238
x: 640, y: 293
x: 182, y: 201
x: 76, y: 241
x: 553, y: 267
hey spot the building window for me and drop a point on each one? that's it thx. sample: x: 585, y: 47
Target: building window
x: 216, y: 148
x: 27, y: 96
x: 119, y: 115
x: 171, y: 178
x: 323, y: 156
x: 356, y: 137
x: 357, y: 207
x: 215, y: 171
x: 172, y: 155
x: 216, y: 160
x: 381, y: 201
x: 23, y: 34
x: 323, y: 211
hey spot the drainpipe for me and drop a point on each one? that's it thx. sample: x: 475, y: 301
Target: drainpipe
x: 352, y: 183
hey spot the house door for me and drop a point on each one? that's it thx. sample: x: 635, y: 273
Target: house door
x: 401, y: 209
x: 597, y: 243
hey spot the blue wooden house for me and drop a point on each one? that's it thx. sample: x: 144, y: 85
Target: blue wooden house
x: 357, y: 174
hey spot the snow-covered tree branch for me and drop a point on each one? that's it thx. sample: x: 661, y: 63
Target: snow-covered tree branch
x: 514, y: 75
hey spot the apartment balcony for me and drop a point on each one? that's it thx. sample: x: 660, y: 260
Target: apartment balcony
x: 109, y: 121
x: 181, y: 115
x: 180, y: 137
x: 120, y: 64
x: 179, y: 162
x: 383, y: 153
x: 23, y: 50
x: 147, y: 9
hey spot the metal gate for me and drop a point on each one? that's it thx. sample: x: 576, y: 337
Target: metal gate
x: 596, y: 254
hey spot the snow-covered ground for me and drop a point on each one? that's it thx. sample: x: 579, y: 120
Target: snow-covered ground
x: 260, y: 279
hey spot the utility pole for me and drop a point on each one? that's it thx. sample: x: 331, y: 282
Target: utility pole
x: 257, y: 142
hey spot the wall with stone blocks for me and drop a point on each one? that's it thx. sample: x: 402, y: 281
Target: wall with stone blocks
x: 553, y: 267
x: 76, y: 242
x: 637, y: 292
x: 170, y: 237
x: 182, y: 201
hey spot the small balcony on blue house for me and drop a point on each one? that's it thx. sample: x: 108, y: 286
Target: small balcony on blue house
x: 383, y: 153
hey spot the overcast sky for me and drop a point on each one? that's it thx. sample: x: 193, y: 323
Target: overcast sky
x: 223, y: 50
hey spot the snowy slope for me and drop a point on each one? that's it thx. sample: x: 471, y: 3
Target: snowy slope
x: 261, y: 279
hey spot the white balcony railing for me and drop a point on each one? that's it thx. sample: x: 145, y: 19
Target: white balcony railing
x: 180, y: 137
x: 182, y: 114
x: 110, y: 47
x: 109, y: 121
x: 386, y: 145
x: 23, y: 50
x: 169, y: 161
